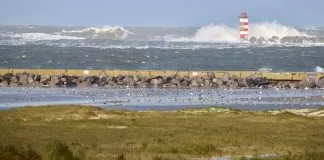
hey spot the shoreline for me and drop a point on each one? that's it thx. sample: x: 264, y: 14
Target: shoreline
x: 163, y: 99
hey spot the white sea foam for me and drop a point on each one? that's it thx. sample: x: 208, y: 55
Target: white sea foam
x: 224, y: 33
x: 265, y: 69
x: 213, y: 33
x: 269, y: 29
x: 113, y: 32
x: 41, y: 37
x: 319, y: 69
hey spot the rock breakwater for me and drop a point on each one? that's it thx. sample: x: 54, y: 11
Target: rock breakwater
x: 175, y: 81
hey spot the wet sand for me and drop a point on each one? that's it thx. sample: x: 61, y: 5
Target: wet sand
x: 163, y: 99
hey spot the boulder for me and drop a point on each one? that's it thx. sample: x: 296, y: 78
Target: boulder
x: 102, y: 81
x: 187, y: 78
x: 175, y: 82
x: 37, y: 78
x: 253, y: 39
x: 89, y: 81
x: 54, y: 80
x: 14, y: 80
x: 215, y: 85
x: 136, y: 78
x: 241, y: 82
x: 225, y: 77
x: 30, y: 79
x: 72, y: 81
x: 286, y: 85
x: 274, y: 39
x: 194, y: 84
x: 218, y: 81
x: 156, y: 82
x: 307, y: 83
x: 261, y: 81
x: 23, y: 79
x: 176, y: 76
x: 76, y: 80
x: 320, y: 83
x: 7, y: 78
x: 207, y: 83
x: 206, y: 77
x: 200, y: 80
x: 293, y: 39
x: 112, y: 83
x: 119, y: 79
x: 185, y: 83
x: 293, y: 85
x: 128, y: 81
x: 261, y: 40
x: 232, y: 84
x: 44, y: 79
x: 253, y: 81
x: 62, y: 81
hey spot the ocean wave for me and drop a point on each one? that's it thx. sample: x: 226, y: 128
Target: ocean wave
x: 108, y: 32
x: 224, y: 33
x: 41, y: 37
x: 211, y: 33
x: 319, y: 69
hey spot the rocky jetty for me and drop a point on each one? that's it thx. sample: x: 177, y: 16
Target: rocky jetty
x: 286, y: 40
x: 175, y: 81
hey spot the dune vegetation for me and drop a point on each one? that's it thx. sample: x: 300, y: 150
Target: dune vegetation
x: 91, y: 133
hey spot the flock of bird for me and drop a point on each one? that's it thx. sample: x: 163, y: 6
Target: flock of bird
x: 109, y: 97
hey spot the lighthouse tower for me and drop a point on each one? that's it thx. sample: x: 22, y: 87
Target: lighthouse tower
x: 244, y: 26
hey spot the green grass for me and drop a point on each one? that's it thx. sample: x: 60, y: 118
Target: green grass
x: 83, y: 132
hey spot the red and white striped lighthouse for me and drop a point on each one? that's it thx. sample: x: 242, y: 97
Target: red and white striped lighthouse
x: 244, y: 26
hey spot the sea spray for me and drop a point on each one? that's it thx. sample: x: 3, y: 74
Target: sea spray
x: 224, y: 33
x: 319, y: 69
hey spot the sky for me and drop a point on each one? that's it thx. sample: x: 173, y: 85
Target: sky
x: 299, y: 13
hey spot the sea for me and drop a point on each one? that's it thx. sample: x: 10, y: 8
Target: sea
x: 210, y: 47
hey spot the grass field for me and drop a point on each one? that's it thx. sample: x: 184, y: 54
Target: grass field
x: 84, y: 132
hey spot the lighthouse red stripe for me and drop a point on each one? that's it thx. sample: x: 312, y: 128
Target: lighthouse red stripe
x: 244, y: 23
x: 243, y: 36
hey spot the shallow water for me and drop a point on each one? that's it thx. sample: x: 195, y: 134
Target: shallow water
x: 163, y: 99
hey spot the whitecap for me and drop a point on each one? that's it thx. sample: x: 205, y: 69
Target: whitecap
x: 319, y: 69
x: 107, y: 32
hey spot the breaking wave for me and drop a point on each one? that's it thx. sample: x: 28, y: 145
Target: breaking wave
x: 270, y: 29
x: 319, y: 69
x: 108, y: 32
x: 224, y: 33
x: 213, y: 33
x: 40, y: 37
